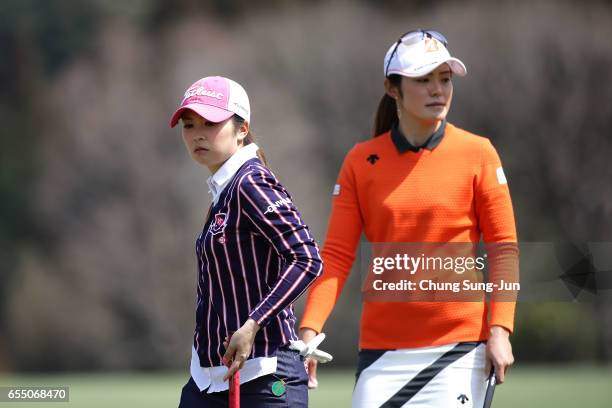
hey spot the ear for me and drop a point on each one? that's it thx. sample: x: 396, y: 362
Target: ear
x: 243, y: 131
x: 391, y: 89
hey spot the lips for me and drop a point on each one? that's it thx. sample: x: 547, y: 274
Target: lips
x: 200, y: 149
x: 436, y: 104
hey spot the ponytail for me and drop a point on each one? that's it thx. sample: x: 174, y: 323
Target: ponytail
x: 239, y: 121
x: 260, y: 154
x: 386, y: 114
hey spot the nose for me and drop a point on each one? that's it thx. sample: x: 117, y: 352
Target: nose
x: 435, y: 88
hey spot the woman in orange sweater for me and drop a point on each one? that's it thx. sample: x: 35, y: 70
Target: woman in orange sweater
x: 418, y: 180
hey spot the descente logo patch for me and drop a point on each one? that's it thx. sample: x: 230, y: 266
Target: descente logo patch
x: 272, y: 207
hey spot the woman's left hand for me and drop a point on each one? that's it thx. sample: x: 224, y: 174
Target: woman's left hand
x: 239, y: 347
x: 499, y: 352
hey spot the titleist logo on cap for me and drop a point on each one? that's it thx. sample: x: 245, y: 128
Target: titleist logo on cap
x: 201, y: 91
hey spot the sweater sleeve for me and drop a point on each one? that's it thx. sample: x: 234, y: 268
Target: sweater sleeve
x: 338, y: 253
x: 268, y: 206
x: 496, y: 221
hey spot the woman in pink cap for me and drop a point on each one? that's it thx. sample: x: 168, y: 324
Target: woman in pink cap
x: 255, y: 257
x: 421, y: 180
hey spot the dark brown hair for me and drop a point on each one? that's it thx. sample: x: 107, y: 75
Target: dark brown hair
x: 386, y: 114
x: 239, y: 121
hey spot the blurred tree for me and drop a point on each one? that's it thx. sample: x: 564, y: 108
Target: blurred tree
x: 36, y: 39
x: 99, y: 206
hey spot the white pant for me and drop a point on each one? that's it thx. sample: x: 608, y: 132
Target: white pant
x: 447, y: 376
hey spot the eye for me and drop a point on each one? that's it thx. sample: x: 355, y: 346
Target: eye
x: 422, y: 80
x: 187, y: 125
x: 210, y: 124
x: 446, y: 80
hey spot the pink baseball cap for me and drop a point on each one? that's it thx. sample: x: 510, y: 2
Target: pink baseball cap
x: 215, y: 99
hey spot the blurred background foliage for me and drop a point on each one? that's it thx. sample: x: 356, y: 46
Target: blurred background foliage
x: 99, y: 203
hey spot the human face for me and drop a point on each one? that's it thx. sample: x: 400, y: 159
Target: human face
x: 210, y: 143
x: 425, y: 99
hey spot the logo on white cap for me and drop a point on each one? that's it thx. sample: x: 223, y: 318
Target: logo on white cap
x: 419, y: 56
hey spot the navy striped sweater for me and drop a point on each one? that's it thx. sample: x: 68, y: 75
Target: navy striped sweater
x: 255, y: 258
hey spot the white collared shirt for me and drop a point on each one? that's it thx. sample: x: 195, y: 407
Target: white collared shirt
x: 218, y: 181
x: 212, y: 377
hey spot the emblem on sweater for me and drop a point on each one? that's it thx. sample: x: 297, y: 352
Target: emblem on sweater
x: 218, y: 223
x: 372, y: 158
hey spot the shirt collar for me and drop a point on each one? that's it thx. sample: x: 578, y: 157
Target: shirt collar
x: 218, y: 181
x: 403, y: 145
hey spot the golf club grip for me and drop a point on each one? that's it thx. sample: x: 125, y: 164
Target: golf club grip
x: 234, y: 390
x: 491, y: 382
x: 234, y: 383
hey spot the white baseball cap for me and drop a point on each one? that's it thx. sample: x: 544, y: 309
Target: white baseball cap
x: 215, y: 99
x: 419, y: 52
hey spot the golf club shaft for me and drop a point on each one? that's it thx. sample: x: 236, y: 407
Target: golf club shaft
x: 234, y: 390
x: 234, y: 384
x: 490, y: 389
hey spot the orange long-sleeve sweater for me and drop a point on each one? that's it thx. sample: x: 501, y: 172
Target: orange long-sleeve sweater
x: 455, y: 192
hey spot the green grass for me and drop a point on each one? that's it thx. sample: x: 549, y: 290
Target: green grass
x: 560, y: 387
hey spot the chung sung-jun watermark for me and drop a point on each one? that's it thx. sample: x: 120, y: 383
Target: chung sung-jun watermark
x: 454, y: 287
x: 468, y: 272
x: 440, y: 272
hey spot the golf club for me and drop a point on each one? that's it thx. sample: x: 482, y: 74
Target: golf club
x: 491, y: 382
